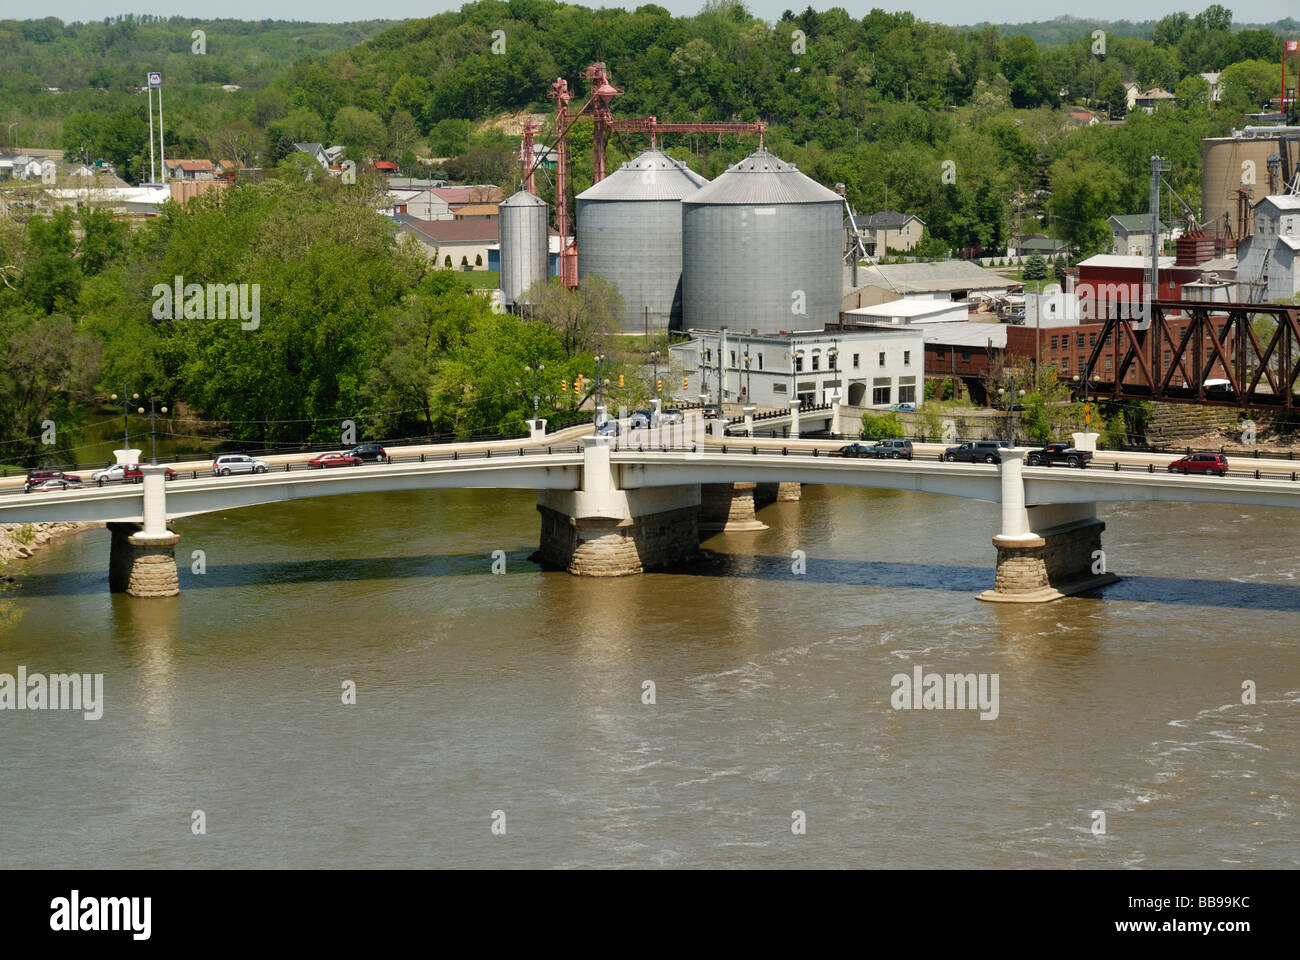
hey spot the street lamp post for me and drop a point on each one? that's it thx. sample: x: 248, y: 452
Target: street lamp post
x: 1011, y: 396
x: 535, y: 370
x: 749, y: 392
x: 654, y: 364
x: 154, y: 410
x: 126, y: 407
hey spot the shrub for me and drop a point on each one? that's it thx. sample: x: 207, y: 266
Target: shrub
x: 882, y: 426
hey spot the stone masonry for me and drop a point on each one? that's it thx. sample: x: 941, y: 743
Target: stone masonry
x: 141, y: 566
x: 609, y: 547
x: 1056, y: 564
x: 728, y: 507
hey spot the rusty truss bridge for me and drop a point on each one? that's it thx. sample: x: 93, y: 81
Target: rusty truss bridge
x: 1244, y: 355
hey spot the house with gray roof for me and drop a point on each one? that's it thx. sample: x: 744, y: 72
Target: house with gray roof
x: 888, y: 230
x: 1131, y: 234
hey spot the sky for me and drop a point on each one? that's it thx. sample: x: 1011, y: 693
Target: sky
x: 956, y: 12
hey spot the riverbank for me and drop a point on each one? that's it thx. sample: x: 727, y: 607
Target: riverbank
x: 20, y: 540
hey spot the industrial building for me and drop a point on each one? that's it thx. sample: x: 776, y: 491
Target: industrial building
x: 1268, y: 268
x: 1237, y: 171
x: 630, y: 225
x: 762, y: 249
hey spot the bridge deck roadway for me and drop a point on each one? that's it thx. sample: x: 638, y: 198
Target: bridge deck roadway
x: 562, y: 470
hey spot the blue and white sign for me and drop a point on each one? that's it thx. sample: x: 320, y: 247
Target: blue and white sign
x: 155, y: 79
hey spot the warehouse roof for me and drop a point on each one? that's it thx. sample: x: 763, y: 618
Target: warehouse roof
x: 945, y: 276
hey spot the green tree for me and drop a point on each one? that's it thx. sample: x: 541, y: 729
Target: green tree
x: 1035, y: 268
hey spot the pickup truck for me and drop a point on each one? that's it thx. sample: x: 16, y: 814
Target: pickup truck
x: 1058, y: 453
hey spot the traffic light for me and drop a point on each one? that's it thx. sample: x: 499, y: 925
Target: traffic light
x: 686, y: 383
x: 564, y: 385
x: 620, y: 381
x: 659, y: 385
x: 1087, y: 415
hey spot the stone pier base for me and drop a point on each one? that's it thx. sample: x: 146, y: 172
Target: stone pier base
x: 728, y: 507
x: 1047, y: 566
x: 765, y: 493
x: 617, y: 533
x: 141, y: 566
x: 611, y: 547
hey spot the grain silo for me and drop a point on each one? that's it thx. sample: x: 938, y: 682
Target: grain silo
x: 762, y: 250
x: 1228, y: 164
x: 524, y: 238
x: 630, y: 234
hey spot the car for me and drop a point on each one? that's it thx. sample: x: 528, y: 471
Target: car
x: 51, y: 473
x: 326, y: 460
x: 1058, y: 453
x: 50, y: 483
x: 671, y: 415
x: 860, y: 450
x: 975, y: 451
x: 713, y: 411
x: 1215, y: 463
x: 640, y: 420
x: 369, y: 451
x: 904, y: 406
x: 894, y: 449
x: 608, y: 428
x: 237, y: 463
x: 127, y: 474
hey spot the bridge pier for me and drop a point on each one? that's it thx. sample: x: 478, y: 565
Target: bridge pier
x: 142, y: 557
x: 140, y: 565
x: 729, y: 507
x: 599, y: 530
x: 765, y: 493
x: 1045, y: 552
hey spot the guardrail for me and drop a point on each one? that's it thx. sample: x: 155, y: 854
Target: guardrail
x: 733, y: 450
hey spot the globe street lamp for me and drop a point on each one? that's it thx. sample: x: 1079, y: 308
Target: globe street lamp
x: 154, y: 410
x: 126, y: 407
x: 1011, y: 395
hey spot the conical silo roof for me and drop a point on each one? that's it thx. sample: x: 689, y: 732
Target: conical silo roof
x: 522, y: 199
x: 763, y: 178
x: 653, y: 175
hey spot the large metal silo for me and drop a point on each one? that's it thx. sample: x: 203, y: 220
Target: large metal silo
x: 630, y: 234
x: 762, y: 250
x: 524, y: 238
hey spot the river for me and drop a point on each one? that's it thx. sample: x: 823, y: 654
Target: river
x: 520, y: 695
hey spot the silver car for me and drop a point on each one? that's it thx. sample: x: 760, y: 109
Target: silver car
x: 237, y: 463
x: 671, y: 415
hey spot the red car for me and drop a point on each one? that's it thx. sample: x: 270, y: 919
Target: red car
x: 334, y: 460
x: 1215, y: 463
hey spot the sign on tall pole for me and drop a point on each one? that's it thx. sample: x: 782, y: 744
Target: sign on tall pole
x: 155, y: 83
x: 154, y: 79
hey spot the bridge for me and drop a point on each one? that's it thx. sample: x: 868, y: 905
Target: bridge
x: 610, y: 512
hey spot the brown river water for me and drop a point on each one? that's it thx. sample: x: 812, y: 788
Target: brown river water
x: 520, y: 695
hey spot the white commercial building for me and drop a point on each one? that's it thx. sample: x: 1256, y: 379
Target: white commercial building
x: 868, y: 368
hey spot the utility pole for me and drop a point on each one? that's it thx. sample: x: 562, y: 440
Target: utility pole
x: 1157, y: 167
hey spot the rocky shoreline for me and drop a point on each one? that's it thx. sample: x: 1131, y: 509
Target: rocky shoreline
x: 21, y: 540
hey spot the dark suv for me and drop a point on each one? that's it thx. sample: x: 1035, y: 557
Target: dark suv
x: 1215, y: 463
x: 975, y: 451
x: 894, y: 449
x: 369, y: 451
